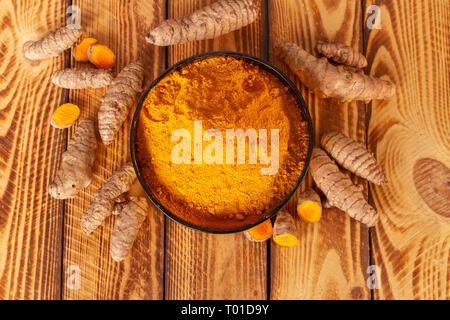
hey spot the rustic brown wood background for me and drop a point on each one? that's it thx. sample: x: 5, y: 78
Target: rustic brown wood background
x: 41, y: 244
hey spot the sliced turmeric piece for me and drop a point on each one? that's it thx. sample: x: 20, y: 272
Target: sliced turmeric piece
x: 309, y: 206
x: 284, y: 230
x: 80, y: 52
x: 65, y: 115
x: 260, y: 232
x: 101, y: 56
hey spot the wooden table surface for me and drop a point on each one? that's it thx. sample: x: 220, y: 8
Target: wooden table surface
x: 42, y: 248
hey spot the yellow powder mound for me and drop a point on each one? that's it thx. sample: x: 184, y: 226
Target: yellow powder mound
x: 224, y: 93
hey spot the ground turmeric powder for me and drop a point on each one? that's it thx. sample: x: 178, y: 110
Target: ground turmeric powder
x: 196, y: 104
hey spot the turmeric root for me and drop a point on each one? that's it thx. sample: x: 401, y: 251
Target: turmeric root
x: 81, y: 78
x: 80, y: 52
x: 339, y: 189
x: 65, y: 115
x: 118, y: 100
x: 102, y: 204
x: 118, y: 207
x: 332, y: 81
x: 341, y: 54
x: 75, y: 172
x: 209, y: 22
x: 126, y: 228
x: 101, y: 56
x: 53, y: 44
x: 284, y: 230
x: 119, y: 203
x: 260, y: 232
x: 309, y: 206
x: 353, y: 156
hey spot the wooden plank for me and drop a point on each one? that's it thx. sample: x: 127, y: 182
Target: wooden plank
x: 122, y: 26
x: 333, y: 255
x: 207, y: 266
x: 30, y: 149
x: 411, y: 243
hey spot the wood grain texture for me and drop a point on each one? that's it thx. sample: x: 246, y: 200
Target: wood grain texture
x: 333, y: 255
x: 41, y: 238
x: 208, y: 266
x: 432, y: 182
x: 411, y: 243
x: 121, y: 25
x: 30, y: 149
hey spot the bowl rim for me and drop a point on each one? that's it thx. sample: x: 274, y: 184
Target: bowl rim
x: 268, y: 67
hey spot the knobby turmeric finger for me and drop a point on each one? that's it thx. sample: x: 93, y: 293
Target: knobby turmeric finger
x: 331, y: 81
x: 284, y: 230
x: 260, y: 232
x: 339, y: 189
x: 309, y: 206
x: 75, y: 172
x: 353, y: 156
x: 81, y: 50
x: 53, y: 44
x: 118, y: 100
x: 81, y: 78
x: 131, y: 217
x: 102, y: 204
x: 209, y: 22
x: 341, y: 54
x: 65, y: 115
x: 101, y: 56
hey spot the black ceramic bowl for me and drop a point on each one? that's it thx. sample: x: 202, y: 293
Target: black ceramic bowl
x: 266, y: 66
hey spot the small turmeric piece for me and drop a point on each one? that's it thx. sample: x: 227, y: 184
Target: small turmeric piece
x: 309, y: 206
x: 339, y: 189
x: 101, y: 56
x: 341, y: 54
x: 65, y: 115
x: 119, y: 98
x: 75, y: 172
x: 284, y: 230
x: 102, y: 204
x: 130, y: 218
x: 53, y: 44
x: 353, y: 156
x: 119, y: 203
x: 331, y: 81
x: 81, y: 78
x: 260, y: 232
x: 80, y: 52
x: 209, y: 22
